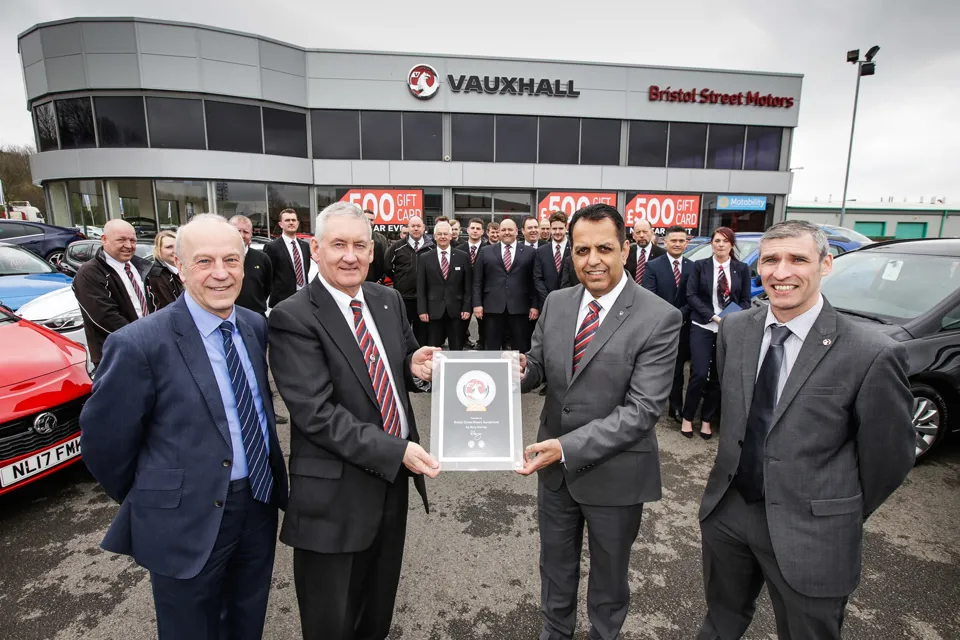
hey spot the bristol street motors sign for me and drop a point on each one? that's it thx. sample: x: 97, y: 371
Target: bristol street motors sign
x: 423, y: 82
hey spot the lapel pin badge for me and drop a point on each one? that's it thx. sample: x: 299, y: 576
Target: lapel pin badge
x: 827, y: 342
x: 384, y: 306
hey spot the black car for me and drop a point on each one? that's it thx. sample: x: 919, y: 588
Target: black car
x: 45, y: 240
x: 83, y: 250
x: 910, y: 290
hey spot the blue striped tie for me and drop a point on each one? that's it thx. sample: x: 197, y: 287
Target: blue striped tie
x: 258, y: 466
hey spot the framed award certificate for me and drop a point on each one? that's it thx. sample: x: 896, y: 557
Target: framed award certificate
x: 476, y: 422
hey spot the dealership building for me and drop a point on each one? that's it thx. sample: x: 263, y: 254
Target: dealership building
x: 156, y: 121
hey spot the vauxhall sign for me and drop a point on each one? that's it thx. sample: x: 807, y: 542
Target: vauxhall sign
x: 423, y: 82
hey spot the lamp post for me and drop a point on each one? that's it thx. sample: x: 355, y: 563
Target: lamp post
x: 865, y: 67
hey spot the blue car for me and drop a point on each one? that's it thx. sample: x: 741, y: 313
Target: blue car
x: 24, y: 276
x: 45, y: 240
x: 748, y: 249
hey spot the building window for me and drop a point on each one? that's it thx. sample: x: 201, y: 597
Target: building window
x: 175, y: 123
x: 336, y: 134
x: 422, y: 136
x: 648, y: 144
x: 288, y: 196
x: 244, y: 198
x: 559, y: 141
x: 46, y: 127
x: 513, y: 202
x: 178, y: 201
x: 725, y: 146
x: 75, y: 119
x: 121, y: 121
x: 739, y: 221
x: 473, y: 202
x: 763, y: 148
x: 326, y: 196
x: 284, y: 133
x: 516, y: 139
x: 688, y: 142
x: 380, y: 135
x: 233, y: 127
x: 132, y: 200
x: 86, y: 204
x: 506, y: 203
x: 472, y: 137
x: 599, y: 141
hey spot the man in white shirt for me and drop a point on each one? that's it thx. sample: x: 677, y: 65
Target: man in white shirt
x: 290, y: 258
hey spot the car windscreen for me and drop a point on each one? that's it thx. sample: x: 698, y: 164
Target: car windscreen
x: 145, y: 250
x: 744, y: 248
x: 896, y: 287
x: 14, y: 261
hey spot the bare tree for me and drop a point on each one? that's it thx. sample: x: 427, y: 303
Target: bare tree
x: 16, y: 176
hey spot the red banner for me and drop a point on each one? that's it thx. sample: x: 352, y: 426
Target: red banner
x: 391, y: 206
x: 663, y: 210
x: 570, y: 202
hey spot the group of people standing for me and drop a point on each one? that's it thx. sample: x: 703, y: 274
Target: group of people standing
x: 180, y: 428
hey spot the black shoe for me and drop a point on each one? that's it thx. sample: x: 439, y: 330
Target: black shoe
x: 675, y: 415
x: 543, y: 390
x: 686, y: 434
x: 282, y: 419
x: 705, y: 436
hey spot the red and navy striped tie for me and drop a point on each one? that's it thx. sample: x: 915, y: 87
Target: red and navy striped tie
x: 588, y: 328
x: 136, y: 288
x: 378, y: 372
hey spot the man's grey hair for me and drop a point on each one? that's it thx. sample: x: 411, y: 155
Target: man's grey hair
x: 340, y: 210
x: 796, y: 229
x: 436, y: 226
x: 200, y: 217
x: 241, y: 218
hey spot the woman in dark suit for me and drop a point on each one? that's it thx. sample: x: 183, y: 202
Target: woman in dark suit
x: 716, y: 282
x: 163, y: 280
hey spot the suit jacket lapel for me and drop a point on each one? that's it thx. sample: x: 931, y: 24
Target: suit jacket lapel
x: 194, y: 355
x: 256, y: 356
x: 750, y: 353
x: 343, y: 334
x: 385, y: 319
x: 611, y: 322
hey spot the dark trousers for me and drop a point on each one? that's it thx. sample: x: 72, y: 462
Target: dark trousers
x: 446, y: 328
x: 612, y: 532
x: 501, y: 325
x: 350, y: 596
x: 419, y: 327
x: 704, y: 380
x: 227, y: 600
x: 683, y: 354
x: 738, y: 558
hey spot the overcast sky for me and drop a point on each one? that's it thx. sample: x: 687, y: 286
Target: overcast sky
x: 908, y: 134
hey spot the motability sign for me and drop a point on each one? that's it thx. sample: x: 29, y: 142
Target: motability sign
x: 742, y: 203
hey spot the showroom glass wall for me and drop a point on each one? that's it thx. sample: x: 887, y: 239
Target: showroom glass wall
x: 432, y: 205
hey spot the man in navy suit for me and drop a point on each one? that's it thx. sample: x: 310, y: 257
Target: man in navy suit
x: 180, y: 430
x: 666, y: 276
x: 503, y: 293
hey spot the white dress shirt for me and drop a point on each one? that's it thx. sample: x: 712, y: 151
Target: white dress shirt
x: 419, y: 242
x: 799, y: 328
x: 118, y: 266
x: 562, y: 245
x: 711, y: 325
x: 646, y: 250
x: 605, y: 301
x: 289, y: 244
x: 343, y: 303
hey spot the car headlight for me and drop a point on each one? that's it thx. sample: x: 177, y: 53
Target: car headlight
x: 64, y: 322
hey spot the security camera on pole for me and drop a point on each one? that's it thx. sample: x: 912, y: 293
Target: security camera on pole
x: 865, y: 67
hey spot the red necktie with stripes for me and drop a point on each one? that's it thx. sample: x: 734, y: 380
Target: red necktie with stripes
x: 641, y: 263
x: 297, y: 262
x: 723, y: 288
x: 378, y: 372
x: 588, y: 328
x: 507, y: 261
x: 556, y: 258
x: 473, y: 255
x: 444, y: 265
x: 676, y: 272
x: 136, y: 287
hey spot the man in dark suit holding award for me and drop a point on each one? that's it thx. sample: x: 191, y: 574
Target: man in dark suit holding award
x: 607, y: 350
x: 444, y: 290
x: 343, y: 357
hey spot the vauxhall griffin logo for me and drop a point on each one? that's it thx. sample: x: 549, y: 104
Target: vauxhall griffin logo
x: 423, y: 81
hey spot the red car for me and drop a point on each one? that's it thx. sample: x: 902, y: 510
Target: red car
x: 43, y: 385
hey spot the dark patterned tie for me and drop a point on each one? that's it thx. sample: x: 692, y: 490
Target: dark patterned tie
x: 507, y: 260
x: 676, y: 272
x: 641, y: 263
x: 258, y: 463
x: 377, y: 369
x: 473, y: 255
x: 588, y: 328
x: 723, y: 288
x: 136, y: 288
x: 297, y: 262
x: 557, y: 260
x: 416, y: 246
x: 444, y: 265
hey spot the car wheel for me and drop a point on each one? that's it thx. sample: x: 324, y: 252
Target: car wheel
x: 929, y: 417
x: 55, y: 258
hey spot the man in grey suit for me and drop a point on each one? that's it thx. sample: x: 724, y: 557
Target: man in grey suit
x: 816, y: 435
x: 606, y: 349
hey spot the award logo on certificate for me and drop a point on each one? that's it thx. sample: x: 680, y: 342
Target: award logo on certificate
x: 476, y: 422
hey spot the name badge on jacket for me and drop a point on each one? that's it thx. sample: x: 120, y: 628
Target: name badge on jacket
x: 456, y: 268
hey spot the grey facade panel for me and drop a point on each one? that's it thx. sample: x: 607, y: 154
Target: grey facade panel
x: 565, y: 176
x: 167, y: 40
x: 226, y: 47
x: 109, y: 37
x: 371, y: 173
x: 351, y: 94
x: 35, y: 77
x: 332, y: 172
x: 230, y: 79
x: 426, y: 174
x: 486, y: 175
x: 62, y: 40
x: 65, y: 73
x: 283, y: 59
x: 634, y: 179
x: 169, y: 72
x: 698, y: 180
x: 284, y: 88
x: 31, y: 49
x: 760, y: 182
x: 113, y: 70
x: 53, y: 165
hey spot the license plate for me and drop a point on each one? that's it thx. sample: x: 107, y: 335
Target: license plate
x: 39, y: 462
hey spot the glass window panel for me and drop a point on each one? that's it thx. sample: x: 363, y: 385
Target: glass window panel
x: 472, y: 137
x: 763, y: 148
x: 325, y: 197
x: 132, y: 200
x: 336, y: 134
x: 233, y: 127
x: 75, y: 119
x: 285, y: 133
x: 473, y: 201
x: 178, y: 201
x: 648, y: 144
x: 86, y: 204
x: 175, y: 123
x: 57, y: 197
x: 725, y: 146
x: 422, y: 136
x: 559, y: 141
x: 688, y: 142
x: 513, y: 202
x: 380, y: 135
x: 516, y: 139
x: 244, y: 198
x: 288, y: 196
x: 599, y: 141
x: 46, y: 127
x: 121, y: 121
